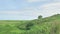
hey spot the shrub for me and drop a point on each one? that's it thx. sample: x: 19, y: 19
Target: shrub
x: 26, y: 26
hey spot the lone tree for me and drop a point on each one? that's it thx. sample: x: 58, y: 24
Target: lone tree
x: 40, y: 17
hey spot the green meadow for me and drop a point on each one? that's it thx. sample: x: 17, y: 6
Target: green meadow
x: 48, y: 25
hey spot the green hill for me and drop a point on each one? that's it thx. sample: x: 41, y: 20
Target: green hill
x: 48, y: 25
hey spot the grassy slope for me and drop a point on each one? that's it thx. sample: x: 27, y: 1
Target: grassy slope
x: 8, y: 26
x: 49, y: 25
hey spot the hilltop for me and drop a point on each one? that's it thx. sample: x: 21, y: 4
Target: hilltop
x: 48, y: 25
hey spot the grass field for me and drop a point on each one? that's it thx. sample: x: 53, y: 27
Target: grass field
x: 48, y: 25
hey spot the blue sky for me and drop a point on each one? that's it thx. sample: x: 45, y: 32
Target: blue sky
x: 28, y: 9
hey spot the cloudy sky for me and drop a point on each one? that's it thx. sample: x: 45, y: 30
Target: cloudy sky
x: 28, y: 9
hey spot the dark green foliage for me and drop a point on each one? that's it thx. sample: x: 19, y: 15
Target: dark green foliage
x: 48, y: 25
x: 29, y: 25
x: 40, y: 17
x: 26, y: 26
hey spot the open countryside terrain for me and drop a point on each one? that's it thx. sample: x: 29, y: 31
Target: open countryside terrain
x: 48, y: 25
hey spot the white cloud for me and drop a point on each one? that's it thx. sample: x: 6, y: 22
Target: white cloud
x: 44, y: 10
x: 56, y: 0
x: 36, y: 0
x: 10, y: 12
x: 50, y: 9
x: 26, y: 12
x: 33, y: 0
x: 42, y: 1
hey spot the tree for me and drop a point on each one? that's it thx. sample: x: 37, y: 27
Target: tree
x: 40, y: 17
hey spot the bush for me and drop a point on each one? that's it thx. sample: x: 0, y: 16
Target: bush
x: 26, y: 26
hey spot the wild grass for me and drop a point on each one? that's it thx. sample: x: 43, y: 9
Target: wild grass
x: 48, y: 25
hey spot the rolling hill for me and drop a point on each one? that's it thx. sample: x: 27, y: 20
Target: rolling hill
x: 48, y: 25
